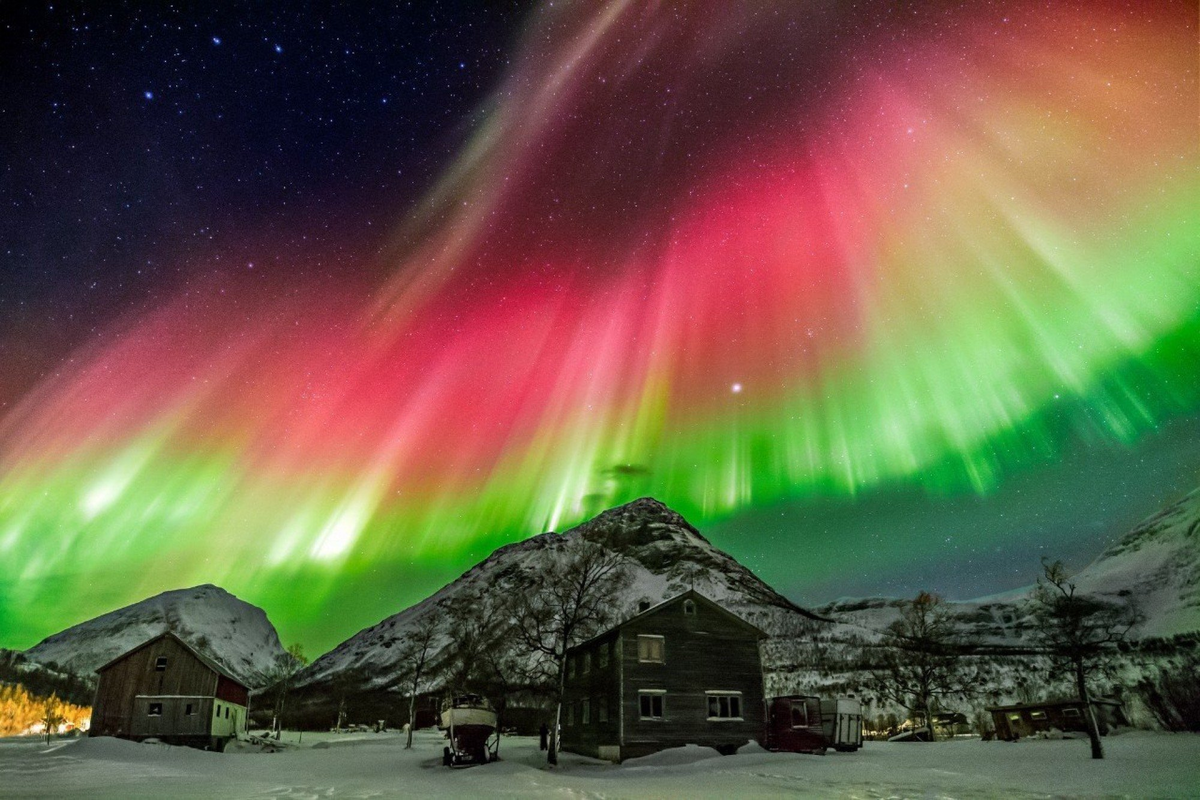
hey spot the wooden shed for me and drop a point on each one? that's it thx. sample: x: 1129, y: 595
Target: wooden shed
x: 1026, y: 719
x: 164, y: 689
x: 685, y: 671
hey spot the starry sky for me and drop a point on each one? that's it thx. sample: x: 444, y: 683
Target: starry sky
x: 322, y: 305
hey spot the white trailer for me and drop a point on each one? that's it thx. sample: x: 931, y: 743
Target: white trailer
x: 842, y: 721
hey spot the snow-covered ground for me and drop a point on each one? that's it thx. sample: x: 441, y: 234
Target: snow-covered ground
x: 376, y: 765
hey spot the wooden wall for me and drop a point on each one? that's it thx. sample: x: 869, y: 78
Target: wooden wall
x: 601, y: 686
x: 707, y: 651
x: 121, y: 682
x: 174, y: 721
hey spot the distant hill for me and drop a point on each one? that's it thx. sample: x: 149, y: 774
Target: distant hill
x: 1156, y: 566
x: 232, y: 632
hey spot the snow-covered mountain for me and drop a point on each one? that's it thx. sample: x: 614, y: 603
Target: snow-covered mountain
x: 664, y: 554
x: 232, y: 632
x: 1156, y: 566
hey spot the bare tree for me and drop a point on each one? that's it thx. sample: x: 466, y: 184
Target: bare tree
x: 1079, y: 633
x: 51, y: 716
x: 414, y: 662
x: 285, y: 671
x: 563, y: 606
x: 921, y: 660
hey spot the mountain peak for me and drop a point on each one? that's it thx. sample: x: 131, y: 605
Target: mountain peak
x: 231, y: 631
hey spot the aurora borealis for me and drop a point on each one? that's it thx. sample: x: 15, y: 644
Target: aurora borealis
x: 742, y: 256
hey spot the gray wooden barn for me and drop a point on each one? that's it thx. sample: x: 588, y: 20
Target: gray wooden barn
x: 164, y: 689
x: 685, y: 671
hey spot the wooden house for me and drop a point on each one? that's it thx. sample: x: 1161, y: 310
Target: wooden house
x: 1027, y: 719
x: 685, y: 671
x: 164, y: 689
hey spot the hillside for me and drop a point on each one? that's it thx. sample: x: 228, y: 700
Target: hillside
x: 664, y: 555
x: 230, y: 631
x: 1156, y: 566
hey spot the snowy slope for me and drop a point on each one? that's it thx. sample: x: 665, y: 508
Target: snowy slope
x: 665, y: 556
x: 232, y: 632
x: 1156, y: 566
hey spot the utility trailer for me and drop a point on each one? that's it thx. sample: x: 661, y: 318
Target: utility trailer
x: 794, y: 725
x: 842, y: 723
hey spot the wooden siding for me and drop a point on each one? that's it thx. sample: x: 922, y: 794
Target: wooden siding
x: 601, y: 687
x: 123, y: 680
x: 174, y: 720
x: 708, y: 651
x: 232, y: 691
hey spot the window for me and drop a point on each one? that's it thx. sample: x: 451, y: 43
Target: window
x: 571, y: 667
x: 651, y: 704
x: 1070, y: 712
x: 728, y: 705
x: 189, y: 710
x: 689, y: 608
x: 226, y: 712
x: 570, y: 714
x: 218, y: 707
x: 585, y: 712
x: 602, y: 709
x: 650, y: 649
x: 587, y: 663
x: 1037, y: 716
x: 1014, y: 717
x: 160, y: 664
x: 155, y: 710
x: 799, y: 713
x: 604, y: 654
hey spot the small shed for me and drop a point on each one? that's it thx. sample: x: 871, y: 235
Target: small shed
x: 1027, y: 719
x: 165, y: 689
x: 685, y: 671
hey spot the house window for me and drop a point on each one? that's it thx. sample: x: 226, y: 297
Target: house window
x: 604, y: 654
x: 1070, y: 712
x: 726, y: 705
x: 570, y: 714
x: 585, y: 712
x: 1014, y: 717
x: 650, y: 649
x: 799, y: 713
x: 160, y: 664
x: 155, y: 710
x: 571, y: 667
x: 587, y: 663
x: 689, y: 608
x: 651, y: 704
x: 189, y: 710
x: 1037, y: 716
x: 226, y: 712
x: 602, y: 709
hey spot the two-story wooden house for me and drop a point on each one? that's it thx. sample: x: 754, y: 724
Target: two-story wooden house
x: 685, y: 671
x: 164, y: 689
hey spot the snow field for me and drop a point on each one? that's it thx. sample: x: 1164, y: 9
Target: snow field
x: 369, y: 765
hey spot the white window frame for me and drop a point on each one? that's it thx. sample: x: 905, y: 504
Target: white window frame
x: 728, y: 694
x: 662, y: 645
x: 689, y: 608
x: 160, y: 664
x: 660, y: 693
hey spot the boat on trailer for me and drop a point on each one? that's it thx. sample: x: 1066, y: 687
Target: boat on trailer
x: 470, y: 724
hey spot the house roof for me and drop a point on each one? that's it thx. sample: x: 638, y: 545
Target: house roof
x: 203, y: 659
x: 654, y: 609
x: 1070, y: 701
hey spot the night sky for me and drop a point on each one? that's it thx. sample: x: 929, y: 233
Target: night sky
x: 322, y: 305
